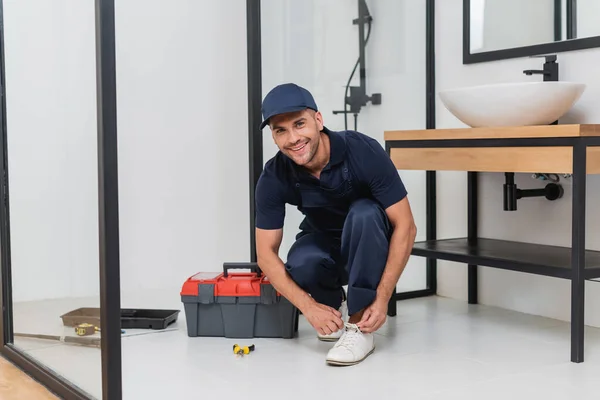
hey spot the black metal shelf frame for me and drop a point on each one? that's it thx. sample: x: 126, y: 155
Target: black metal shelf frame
x: 547, y: 260
x: 575, y: 263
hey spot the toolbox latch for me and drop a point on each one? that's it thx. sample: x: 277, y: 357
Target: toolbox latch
x: 206, y: 294
x: 268, y: 295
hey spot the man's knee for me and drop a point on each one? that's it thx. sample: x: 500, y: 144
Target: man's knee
x: 306, y: 263
x: 366, y: 211
x: 303, y: 270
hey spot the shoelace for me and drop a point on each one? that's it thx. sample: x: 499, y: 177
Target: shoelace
x: 349, y: 337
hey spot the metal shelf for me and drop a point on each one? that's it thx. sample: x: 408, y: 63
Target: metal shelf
x: 531, y: 258
x: 573, y: 148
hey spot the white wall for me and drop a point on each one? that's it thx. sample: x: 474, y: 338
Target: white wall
x: 537, y: 220
x: 315, y: 44
x: 182, y: 99
x: 182, y: 126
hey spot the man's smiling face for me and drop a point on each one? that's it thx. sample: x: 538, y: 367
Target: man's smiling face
x: 297, y: 134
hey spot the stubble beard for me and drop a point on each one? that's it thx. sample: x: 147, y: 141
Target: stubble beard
x: 310, y: 151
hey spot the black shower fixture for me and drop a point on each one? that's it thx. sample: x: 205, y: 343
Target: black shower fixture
x: 357, y: 98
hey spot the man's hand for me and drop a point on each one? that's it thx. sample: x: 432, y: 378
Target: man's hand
x: 374, y: 316
x: 324, y: 319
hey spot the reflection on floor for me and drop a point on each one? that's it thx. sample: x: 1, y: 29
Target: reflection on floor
x: 435, y: 348
x: 16, y: 385
x: 80, y: 364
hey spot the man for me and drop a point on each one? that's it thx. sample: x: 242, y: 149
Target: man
x: 358, y: 228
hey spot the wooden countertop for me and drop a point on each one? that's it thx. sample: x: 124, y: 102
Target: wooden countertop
x: 550, y: 159
x: 542, y: 131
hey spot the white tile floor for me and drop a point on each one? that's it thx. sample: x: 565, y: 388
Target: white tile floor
x: 435, y: 348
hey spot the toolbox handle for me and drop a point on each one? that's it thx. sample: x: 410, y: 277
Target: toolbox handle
x: 252, y: 266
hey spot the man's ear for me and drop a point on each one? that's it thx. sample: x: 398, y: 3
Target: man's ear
x: 319, y: 119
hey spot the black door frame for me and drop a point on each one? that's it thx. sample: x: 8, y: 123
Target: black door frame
x: 255, y: 135
x: 110, y: 312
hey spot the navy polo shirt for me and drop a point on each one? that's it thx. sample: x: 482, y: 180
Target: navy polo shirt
x: 358, y: 168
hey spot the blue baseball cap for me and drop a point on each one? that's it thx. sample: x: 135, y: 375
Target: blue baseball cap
x: 285, y: 98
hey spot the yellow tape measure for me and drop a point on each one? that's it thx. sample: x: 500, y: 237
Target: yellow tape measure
x: 85, y: 329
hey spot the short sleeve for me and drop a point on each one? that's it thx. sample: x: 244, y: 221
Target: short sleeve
x: 380, y: 174
x: 270, y: 203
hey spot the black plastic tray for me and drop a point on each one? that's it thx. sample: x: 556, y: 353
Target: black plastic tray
x: 131, y: 318
x: 147, y: 319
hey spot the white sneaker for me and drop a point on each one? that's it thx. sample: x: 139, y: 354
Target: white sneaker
x: 336, y: 335
x: 353, y: 347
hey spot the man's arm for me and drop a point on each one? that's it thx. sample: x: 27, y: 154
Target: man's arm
x: 386, y: 186
x: 270, y: 213
x: 268, y: 242
x: 324, y: 319
x: 401, y: 244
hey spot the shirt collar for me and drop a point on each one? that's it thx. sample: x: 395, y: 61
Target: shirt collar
x: 337, y: 147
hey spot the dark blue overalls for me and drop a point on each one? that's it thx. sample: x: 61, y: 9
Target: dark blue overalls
x: 344, y: 238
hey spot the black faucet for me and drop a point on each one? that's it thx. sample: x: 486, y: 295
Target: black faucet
x: 550, y: 70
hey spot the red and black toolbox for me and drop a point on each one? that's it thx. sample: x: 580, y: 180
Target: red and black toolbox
x: 237, y: 305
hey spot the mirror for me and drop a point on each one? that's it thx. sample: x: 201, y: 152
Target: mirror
x: 499, y: 29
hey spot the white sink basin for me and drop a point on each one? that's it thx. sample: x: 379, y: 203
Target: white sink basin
x: 512, y: 104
